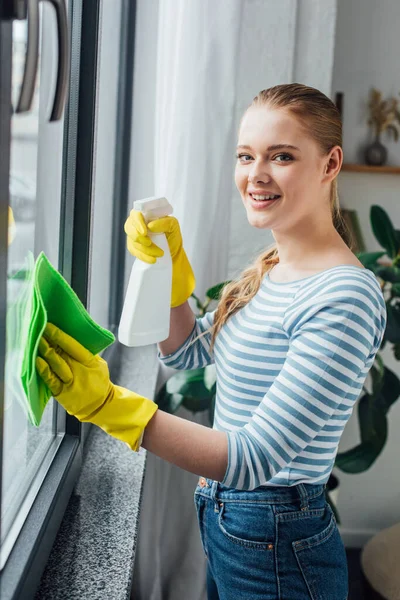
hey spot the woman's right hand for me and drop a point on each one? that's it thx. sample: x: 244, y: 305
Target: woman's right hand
x: 138, y: 243
x: 141, y: 246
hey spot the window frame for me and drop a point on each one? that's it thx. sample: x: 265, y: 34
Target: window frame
x: 122, y: 159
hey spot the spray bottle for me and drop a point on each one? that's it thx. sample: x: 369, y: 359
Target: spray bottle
x: 145, y: 316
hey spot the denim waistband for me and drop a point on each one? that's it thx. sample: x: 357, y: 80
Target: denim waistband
x: 267, y: 494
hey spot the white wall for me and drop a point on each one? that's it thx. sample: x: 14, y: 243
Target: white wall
x: 366, y: 54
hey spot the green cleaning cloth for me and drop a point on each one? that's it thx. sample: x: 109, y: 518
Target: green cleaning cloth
x: 48, y: 298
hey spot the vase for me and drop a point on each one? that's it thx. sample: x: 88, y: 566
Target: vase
x: 376, y: 153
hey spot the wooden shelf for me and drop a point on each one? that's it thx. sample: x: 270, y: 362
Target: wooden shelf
x: 371, y: 169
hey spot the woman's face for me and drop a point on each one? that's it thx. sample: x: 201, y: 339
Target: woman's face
x: 275, y: 157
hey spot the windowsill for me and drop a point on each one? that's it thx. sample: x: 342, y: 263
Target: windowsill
x: 93, y: 554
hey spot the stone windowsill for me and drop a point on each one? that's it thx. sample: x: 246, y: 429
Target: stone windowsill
x: 93, y: 554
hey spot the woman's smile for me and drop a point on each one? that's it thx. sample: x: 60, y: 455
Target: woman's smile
x: 259, y: 202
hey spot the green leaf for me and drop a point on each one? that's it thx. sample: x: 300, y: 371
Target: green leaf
x: 372, y: 411
x: 395, y: 289
x: 210, y: 377
x: 214, y: 292
x: 383, y: 230
x: 369, y: 259
x: 372, y: 421
x: 391, y: 274
x: 190, y: 388
x: 188, y: 383
x: 199, y: 305
x: 377, y: 375
x: 197, y: 404
x: 356, y: 460
x: 392, y: 331
x: 175, y: 401
x: 169, y: 403
x: 390, y: 391
x: 211, y: 410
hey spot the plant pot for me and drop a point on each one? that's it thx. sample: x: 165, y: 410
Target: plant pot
x: 376, y: 154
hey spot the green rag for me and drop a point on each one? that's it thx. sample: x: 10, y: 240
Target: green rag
x: 49, y: 299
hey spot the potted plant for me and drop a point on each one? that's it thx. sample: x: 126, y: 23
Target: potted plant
x: 195, y: 389
x: 384, y: 115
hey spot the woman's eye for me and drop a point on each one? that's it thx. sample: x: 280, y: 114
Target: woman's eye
x: 283, y: 157
x: 243, y: 156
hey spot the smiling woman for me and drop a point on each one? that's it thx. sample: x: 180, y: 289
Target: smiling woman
x: 289, y: 145
x: 291, y: 359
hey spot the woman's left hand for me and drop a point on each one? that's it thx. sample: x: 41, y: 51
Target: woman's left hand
x: 80, y: 382
x: 78, y: 379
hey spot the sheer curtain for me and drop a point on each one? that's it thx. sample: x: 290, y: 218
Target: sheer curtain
x: 195, y: 131
x: 195, y: 125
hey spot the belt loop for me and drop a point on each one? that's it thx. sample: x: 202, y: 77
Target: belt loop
x: 214, y: 495
x: 214, y: 487
x: 303, y: 496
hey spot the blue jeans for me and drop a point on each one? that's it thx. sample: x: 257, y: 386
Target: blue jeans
x: 271, y: 543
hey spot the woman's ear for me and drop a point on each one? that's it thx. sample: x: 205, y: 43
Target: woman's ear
x: 333, y: 164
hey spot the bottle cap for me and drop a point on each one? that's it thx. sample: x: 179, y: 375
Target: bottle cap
x: 153, y: 208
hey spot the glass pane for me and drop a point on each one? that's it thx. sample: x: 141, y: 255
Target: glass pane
x: 101, y: 278
x: 35, y: 193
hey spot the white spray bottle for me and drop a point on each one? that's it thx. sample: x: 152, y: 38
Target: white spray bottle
x: 145, y: 317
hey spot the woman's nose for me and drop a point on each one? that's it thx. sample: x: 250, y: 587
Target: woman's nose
x: 257, y: 174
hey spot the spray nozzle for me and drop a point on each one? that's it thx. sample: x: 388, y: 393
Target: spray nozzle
x: 153, y: 208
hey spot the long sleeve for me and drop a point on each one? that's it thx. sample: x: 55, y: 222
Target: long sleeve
x: 295, y: 430
x: 193, y: 355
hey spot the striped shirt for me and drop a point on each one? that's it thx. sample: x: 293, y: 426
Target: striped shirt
x: 290, y: 366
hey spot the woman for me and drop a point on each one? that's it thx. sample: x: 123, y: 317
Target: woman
x: 293, y: 339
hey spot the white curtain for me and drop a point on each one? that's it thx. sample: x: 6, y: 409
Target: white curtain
x: 195, y: 132
x: 195, y: 125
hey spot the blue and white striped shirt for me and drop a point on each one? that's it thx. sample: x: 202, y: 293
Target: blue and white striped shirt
x: 290, y: 365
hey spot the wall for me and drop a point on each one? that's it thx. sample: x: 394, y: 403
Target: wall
x: 366, y: 54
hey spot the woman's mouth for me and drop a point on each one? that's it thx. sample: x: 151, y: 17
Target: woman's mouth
x: 259, y: 201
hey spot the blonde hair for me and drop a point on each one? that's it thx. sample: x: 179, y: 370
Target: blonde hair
x: 322, y: 119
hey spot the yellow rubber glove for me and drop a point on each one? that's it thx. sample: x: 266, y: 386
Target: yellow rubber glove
x: 80, y: 382
x: 140, y: 245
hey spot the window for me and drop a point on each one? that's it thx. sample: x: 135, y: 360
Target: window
x: 65, y: 182
x: 35, y: 198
